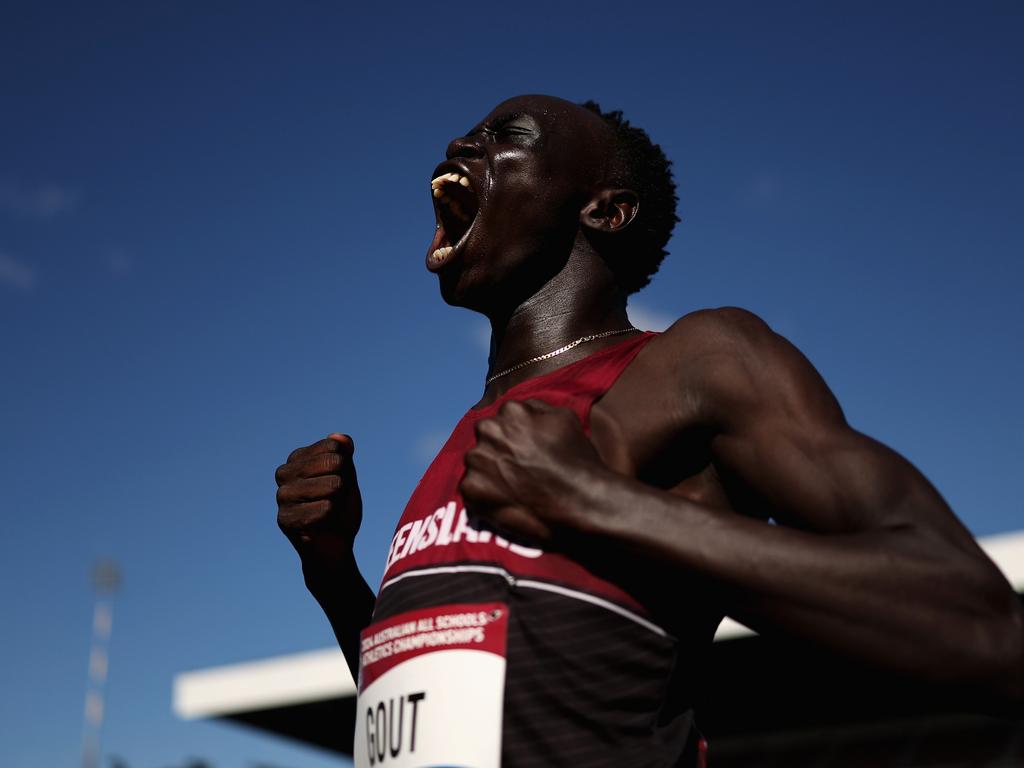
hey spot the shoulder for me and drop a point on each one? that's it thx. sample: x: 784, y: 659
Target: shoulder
x: 720, y: 342
x: 724, y: 328
x: 731, y: 362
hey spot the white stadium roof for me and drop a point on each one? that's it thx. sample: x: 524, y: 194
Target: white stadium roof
x: 320, y: 675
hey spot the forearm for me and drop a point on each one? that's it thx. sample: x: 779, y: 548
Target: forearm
x: 894, y: 597
x: 348, y: 602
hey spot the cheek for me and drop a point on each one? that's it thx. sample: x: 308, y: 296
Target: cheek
x: 527, y: 189
x: 532, y: 217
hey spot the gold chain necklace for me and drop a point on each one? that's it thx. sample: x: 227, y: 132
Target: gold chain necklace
x: 560, y: 350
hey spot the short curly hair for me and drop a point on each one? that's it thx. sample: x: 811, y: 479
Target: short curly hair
x: 639, y: 164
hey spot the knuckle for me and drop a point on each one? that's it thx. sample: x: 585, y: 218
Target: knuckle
x: 328, y: 463
x: 318, y: 511
x: 287, y: 518
x: 305, y: 451
x: 487, y: 428
x: 298, y: 519
x: 327, y: 445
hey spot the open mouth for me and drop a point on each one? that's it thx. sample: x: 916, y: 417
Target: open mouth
x: 455, y: 207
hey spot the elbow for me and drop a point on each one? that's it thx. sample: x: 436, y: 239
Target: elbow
x: 1014, y: 693
x: 982, y: 665
x: 1004, y: 667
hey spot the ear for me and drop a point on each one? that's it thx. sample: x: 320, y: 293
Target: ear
x: 610, y: 210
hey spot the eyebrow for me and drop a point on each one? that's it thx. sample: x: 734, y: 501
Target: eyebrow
x: 497, y: 122
x: 506, y: 118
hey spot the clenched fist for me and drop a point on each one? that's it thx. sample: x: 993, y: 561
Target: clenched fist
x: 523, y: 476
x: 319, y: 507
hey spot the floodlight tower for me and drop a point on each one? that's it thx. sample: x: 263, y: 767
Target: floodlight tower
x: 106, y: 578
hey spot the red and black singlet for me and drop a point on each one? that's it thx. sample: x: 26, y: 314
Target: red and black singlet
x: 590, y: 678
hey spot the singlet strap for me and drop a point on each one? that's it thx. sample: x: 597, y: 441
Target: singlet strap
x: 595, y: 380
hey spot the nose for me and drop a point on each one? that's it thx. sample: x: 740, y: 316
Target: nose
x: 465, y: 146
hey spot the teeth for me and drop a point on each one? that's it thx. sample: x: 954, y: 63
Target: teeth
x: 440, y: 253
x: 437, y: 187
x: 448, y: 178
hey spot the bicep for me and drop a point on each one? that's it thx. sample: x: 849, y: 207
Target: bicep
x: 782, y: 447
x: 825, y: 477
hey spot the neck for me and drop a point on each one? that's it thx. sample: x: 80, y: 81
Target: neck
x: 580, y: 300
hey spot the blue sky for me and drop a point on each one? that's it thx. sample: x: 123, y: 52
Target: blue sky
x: 212, y: 226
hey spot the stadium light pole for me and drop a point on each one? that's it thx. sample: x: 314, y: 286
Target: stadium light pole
x: 106, y: 579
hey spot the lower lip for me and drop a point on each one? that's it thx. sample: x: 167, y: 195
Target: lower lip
x: 436, y: 265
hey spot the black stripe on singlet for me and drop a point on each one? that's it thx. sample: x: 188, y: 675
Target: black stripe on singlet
x: 585, y: 687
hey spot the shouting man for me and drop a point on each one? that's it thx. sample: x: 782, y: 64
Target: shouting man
x: 560, y: 570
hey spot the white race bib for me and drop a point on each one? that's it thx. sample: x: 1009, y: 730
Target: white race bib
x: 431, y: 688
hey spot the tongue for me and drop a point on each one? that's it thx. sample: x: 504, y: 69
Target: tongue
x: 440, y: 240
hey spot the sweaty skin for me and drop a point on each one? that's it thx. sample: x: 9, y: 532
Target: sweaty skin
x: 718, y: 426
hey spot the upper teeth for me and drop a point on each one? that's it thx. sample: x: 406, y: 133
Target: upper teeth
x: 438, y: 184
x: 449, y: 178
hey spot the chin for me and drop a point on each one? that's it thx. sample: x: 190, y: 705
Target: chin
x: 458, y: 289
x: 449, y: 295
x: 456, y: 295
x: 495, y: 282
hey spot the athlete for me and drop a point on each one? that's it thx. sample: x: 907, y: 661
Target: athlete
x: 559, y: 573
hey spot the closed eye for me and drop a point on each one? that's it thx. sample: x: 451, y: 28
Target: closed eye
x: 504, y: 125
x: 508, y: 130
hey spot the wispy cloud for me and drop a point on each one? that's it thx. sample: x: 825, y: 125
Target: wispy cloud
x: 427, y: 445
x: 481, y: 333
x: 648, y: 319
x: 36, y: 201
x: 15, y: 274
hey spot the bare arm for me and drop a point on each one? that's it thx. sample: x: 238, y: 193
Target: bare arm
x: 320, y: 510
x: 867, y: 559
x: 347, y: 601
x: 897, y: 597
